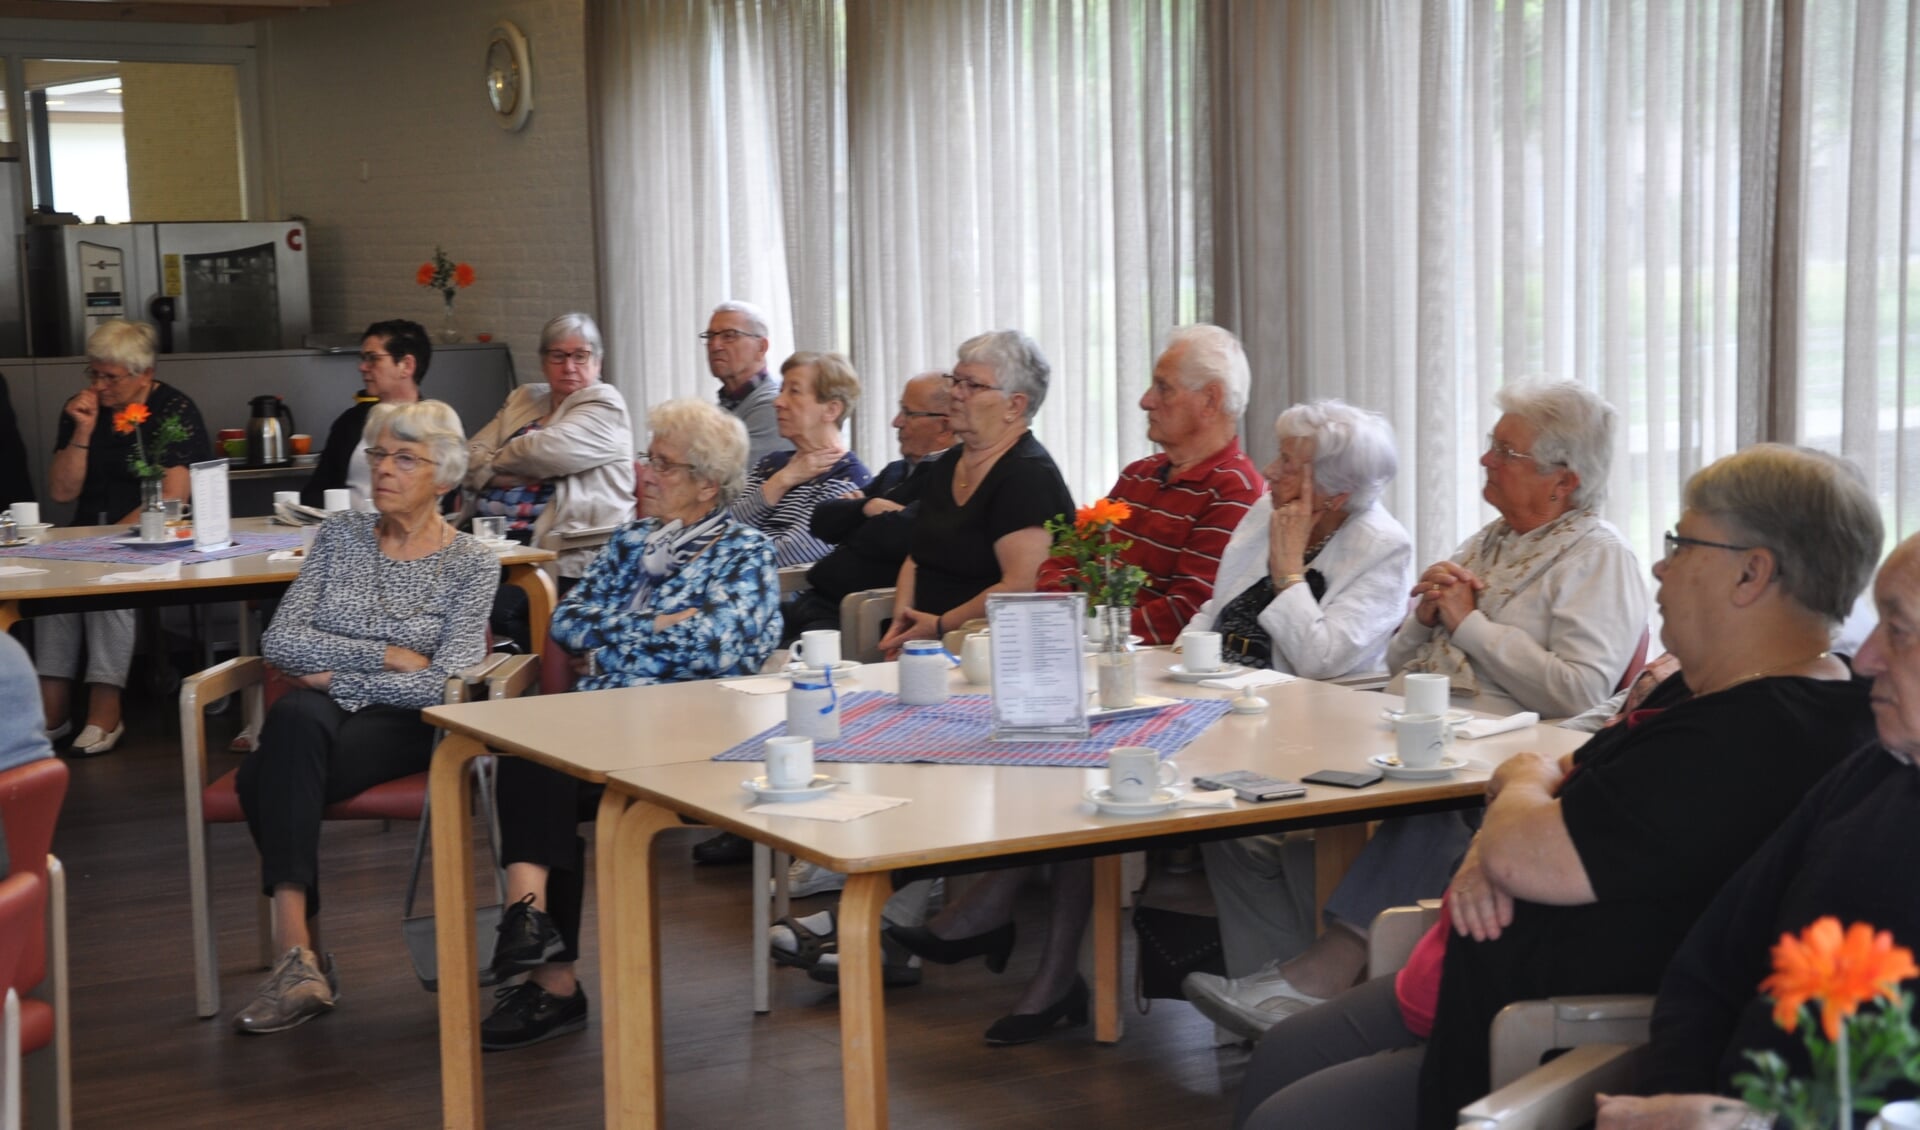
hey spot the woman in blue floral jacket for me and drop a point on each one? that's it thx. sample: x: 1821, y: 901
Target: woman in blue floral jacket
x: 685, y: 593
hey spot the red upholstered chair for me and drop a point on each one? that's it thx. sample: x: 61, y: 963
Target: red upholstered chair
x: 218, y: 802
x: 31, y: 796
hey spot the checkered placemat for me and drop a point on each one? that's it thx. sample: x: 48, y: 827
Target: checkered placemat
x: 874, y: 726
x: 103, y: 551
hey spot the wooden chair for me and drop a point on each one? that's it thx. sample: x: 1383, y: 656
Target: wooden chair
x: 861, y: 615
x: 218, y: 802
x: 22, y: 905
x: 31, y: 797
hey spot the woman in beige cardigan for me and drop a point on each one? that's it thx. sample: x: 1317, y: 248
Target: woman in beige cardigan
x: 557, y: 459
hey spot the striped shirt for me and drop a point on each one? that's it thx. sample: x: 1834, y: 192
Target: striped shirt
x: 786, y: 522
x: 1180, y: 526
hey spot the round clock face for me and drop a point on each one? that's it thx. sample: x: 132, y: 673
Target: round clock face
x: 503, y: 76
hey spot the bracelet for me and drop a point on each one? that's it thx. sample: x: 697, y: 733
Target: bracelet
x: 1292, y: 579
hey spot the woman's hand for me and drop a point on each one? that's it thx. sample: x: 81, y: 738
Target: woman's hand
x: 318, y: 681
x: 1289, y: 531
x: 1448, y: 593
x: 668, y: 619
x: 1479, y: 907
x: 878, y: 506
x: 910, y: 624
x: 404, y: 660
x: 84, y: 407
x: 1668, y: 1112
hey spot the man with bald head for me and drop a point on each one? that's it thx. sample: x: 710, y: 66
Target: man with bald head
x: 736, y: 343
x: 869, y: 529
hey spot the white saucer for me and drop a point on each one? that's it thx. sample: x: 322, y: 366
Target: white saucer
x: 1454, y: 717
x: 33, y: 527
x: 495, y: 543
x: 1163, y: 799
x: 1180, y: 674
x: 1088, y: 647
x: 1390, y: 765
x: 164, y: 543
x: 1143, y: 704
x: 841, y: 670
x: 822, y: 785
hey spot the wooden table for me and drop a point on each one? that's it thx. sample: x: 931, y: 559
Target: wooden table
x: 653, y: 746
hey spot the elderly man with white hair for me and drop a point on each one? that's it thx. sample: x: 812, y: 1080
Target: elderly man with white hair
x: 736, y: 342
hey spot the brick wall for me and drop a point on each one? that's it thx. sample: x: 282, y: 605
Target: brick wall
x: 182, y: 123
x: 381, y: 137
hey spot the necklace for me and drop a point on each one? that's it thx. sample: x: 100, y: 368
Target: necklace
x: 433, y: 584
x: 1770, y: 670
x: 1313, y: 550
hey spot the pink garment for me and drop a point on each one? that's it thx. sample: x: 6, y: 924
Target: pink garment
x: 1417, y: 985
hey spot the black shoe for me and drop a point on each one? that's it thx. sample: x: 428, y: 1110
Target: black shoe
x: 528, y: 938
x: 723, y: 848
x: 527, y: 1014
x: 898, y: 970
x: 1026, y: 1027
x: 995, y: 944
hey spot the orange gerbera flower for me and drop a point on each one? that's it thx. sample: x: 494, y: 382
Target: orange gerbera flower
x: 462, y: 275
x: 1103, y: 512
x: 1840, y: 970
x: 129, y: 418
x: 424, y: 276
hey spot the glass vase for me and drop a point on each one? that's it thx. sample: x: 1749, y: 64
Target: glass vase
x: 449, y: 331
x: 153, y: 511
x: 1114, y: 662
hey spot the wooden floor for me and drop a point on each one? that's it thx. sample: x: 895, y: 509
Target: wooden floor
x: 142, y: 1059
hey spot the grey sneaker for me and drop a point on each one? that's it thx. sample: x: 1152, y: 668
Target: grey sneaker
x: 805, y: 879
x: 299, y: 989
x: 1247, y: 1006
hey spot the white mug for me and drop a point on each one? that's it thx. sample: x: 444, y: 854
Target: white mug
x: 338, y: 499
x: 491, y: 529
x: 817, y: 649
x: 290, y: 497
x: 1427, y: 694
x: 1200, y: 651
x: 1422, y: 739
x: 1135, y: 771
x: 789, y: 762
x: 976, y: 659
x: 1097, y: 625
x: 1898, y: 1116
x: 26, y: 513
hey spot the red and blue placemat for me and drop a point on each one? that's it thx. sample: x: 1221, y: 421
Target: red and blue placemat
x: 876, y: 727
x: 103, y: 551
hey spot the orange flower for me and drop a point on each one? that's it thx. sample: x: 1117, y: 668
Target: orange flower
x: 1841, y: 971
x: 462, y: 275
x: 1104, y: 512
x: 129, y: 418
x: 424, y: 276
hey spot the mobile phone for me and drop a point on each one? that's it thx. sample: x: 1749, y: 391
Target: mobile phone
x: 1248, y: 785
x: 1343, y: 778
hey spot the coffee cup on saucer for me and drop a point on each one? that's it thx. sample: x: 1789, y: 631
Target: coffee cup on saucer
x: 1422, y: 739
x: 818, y: 649
x: 1136, y: 772
x: 1200, y: 651
x: 789, y: 762
x: 1427, y: 694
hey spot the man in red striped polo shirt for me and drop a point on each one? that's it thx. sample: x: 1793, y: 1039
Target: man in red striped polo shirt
x: 1187, y: 499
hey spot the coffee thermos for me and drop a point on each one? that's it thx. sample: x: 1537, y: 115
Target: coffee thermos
x: 269, y: 433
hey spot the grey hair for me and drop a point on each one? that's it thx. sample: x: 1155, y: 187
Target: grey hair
x: 756, y: 321
x: 1812, y: 510
x: 1213, y: 354
x: 1353, y: 449
x: 1016, y: 361
x: 430, y: 422
x: 130, y: 345
x: 716, y: 442
x: 1573, y: 428
x: 573, y: 324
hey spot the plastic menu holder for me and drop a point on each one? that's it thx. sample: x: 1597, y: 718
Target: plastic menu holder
x: 1039, y: 681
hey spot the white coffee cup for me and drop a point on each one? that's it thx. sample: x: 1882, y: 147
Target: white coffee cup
x: 290, y: 497
x: 491, y: 529
x: 976, y: 659
x: 1200, y: 651
x: 817, y: 649
x: 338, y: 499
x: 26, y: 513
x: 789, y: 762
x: 1134, y: 772
x: 1097, y: 625
x: 307, y: 534
x: 1903, y: 1115
x: 1422, y: 739
x: 1427, y: 694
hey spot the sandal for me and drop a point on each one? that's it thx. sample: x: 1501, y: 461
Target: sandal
x: 801, y: 948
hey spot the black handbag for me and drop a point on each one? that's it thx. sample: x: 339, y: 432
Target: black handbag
x: 1173, y: 944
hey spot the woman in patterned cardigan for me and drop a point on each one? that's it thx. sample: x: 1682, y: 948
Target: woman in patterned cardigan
x: 688, y: 592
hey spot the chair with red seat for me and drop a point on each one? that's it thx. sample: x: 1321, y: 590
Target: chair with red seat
x: 31, y: 796
x: 219, y: 803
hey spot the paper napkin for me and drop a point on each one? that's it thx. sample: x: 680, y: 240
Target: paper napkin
x: 1247, y: 680
x: 1207, y: 798
x: 757, y: 684
x: 168, y: 572
x: 838, y: 806
x: 1487, y: 727
x: 18, y: 571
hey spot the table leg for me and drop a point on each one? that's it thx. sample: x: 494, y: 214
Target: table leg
x: 606, y: 890
x: 541, y: 597
x: 1107, y: 1022
x: 633, y: 1065
x: 760, y: 953
x: 1334, y: 850
x: 863, y: 1018
x: 462, y: 1095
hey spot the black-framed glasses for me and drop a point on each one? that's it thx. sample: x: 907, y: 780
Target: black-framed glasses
x: 956, y: 382
x: 912, y: 415
x: 563, y: 356
x: 725, y: 337
x: 371, y: 358
x: 1675, y: 541
x: 1506, y: 454
x: 405, y: 462
x: 662, y: 466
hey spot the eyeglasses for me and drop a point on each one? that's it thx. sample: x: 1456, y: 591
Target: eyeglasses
x: 662, y: 466
x: 374, y: 358
x: 957, y: 383
x: 562, y: 356
x: 94, y: 375
x: 1507, y: 454
x: 405, y: 462
x: 912, y: 415
x: 1675, y: 541
x: 725, y: 337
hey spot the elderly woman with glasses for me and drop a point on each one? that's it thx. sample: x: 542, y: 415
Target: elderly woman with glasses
x: 1541, y: 610
x: 122, y: 415
x: 982, y: 522
x: 387, y: 608
x: 394, y: 358
x: 817, y: 391
x: 557, y: 458
x: 687, y: 592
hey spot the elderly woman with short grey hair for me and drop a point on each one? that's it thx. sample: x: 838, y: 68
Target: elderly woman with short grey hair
x: 982, y: 522
x: 387, y: 607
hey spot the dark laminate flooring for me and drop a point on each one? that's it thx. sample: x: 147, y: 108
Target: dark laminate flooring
x: 142, y: 1059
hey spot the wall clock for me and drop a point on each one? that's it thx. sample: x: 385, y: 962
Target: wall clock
x: 509, y: 76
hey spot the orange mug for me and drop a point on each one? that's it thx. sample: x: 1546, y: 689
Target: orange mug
x: 302, y: 444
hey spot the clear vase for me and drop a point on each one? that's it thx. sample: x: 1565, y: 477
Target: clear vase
x: 153, y: 511
x: 449, y: 331
x: 1114, y: 662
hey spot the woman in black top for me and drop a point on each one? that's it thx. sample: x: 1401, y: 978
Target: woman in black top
x: 92, y: 469
x: 981, y: 527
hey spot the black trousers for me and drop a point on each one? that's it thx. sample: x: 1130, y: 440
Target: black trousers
x: 541, y: 810
x: 314, y: 753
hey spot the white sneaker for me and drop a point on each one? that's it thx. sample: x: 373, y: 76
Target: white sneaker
x: 1247, y: 1006
x: 93, y: 741
x: 804, y: 879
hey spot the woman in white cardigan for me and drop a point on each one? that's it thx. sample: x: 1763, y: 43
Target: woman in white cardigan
x: 558, y: 457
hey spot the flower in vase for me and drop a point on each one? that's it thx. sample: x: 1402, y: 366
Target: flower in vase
x: 129, y: 418
x: 1841, y: 970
